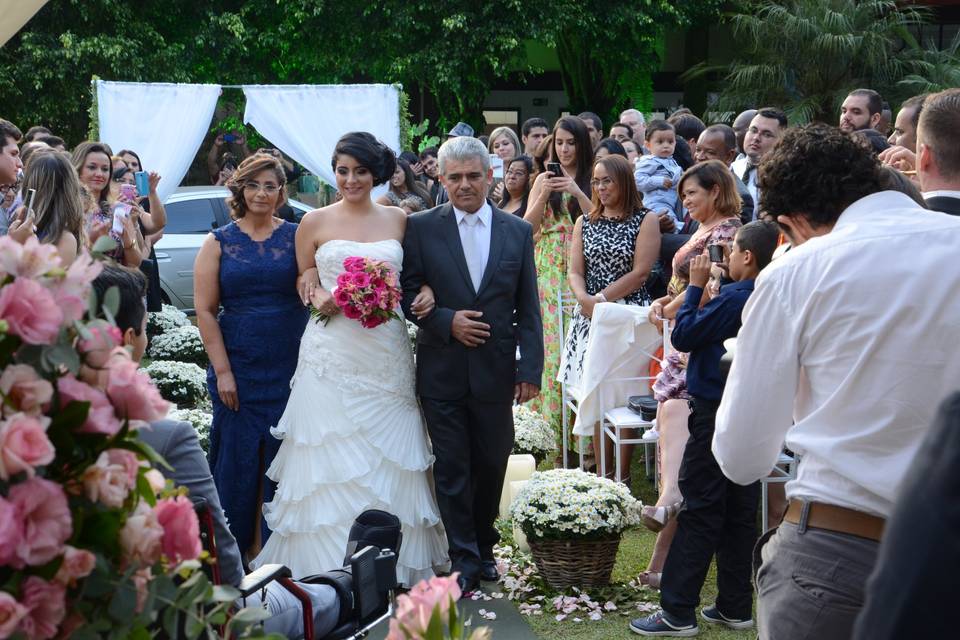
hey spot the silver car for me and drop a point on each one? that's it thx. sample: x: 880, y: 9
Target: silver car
x: 192, y: 212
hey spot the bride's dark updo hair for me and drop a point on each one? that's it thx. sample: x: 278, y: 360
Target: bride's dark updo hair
x: 368, y: 152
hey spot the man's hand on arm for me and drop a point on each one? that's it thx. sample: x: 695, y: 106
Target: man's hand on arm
x: 470, y: 332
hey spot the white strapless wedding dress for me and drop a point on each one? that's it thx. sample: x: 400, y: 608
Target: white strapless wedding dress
x: 353, y: 439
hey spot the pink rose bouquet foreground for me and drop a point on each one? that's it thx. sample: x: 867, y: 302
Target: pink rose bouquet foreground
x: 93, y: 543
x: 429, y: 612
x: 367, y: 290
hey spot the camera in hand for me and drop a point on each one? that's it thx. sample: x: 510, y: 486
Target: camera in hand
x: 716, y: 252
x: 555, y: 169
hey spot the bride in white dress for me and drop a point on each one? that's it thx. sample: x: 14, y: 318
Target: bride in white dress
x: 353, y: 435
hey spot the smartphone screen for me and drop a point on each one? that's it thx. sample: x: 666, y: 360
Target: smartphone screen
x: 31, y: 194
x: 555, y: 169
x: 496, y: 163
x: 716, y: 252
x: 128, y: 191
x: 143, y: 182
x: 121, y: 211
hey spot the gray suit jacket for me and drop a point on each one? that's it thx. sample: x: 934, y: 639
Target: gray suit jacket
x: 177, y: 443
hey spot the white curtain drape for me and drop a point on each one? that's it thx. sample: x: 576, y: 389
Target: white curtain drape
x: 164, y: 123
x: 305, y: 121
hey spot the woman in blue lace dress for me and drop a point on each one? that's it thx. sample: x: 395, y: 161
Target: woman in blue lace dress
x: 249, y: 267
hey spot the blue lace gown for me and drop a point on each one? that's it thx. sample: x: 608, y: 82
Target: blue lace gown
x: 261, y: 320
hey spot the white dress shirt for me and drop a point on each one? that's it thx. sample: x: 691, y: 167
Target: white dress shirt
x: 739, y: 167
x: 474, y: 231
x: 853, y: 336
x: 941, y: 193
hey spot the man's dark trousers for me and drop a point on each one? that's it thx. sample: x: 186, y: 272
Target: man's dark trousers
x: 720, y: 517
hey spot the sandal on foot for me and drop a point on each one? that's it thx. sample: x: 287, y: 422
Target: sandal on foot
x: 656, y: 518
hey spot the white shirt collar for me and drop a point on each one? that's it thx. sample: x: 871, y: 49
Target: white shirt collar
x: 484, y: 212
x: 867, y: 207
x: 941, y: 193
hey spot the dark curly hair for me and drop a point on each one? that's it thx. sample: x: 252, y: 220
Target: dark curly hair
x: 369, y: 152
x: 248, y: 169
x: 817, y: 171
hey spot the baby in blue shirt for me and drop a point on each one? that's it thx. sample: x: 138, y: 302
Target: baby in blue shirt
x: 657, y: 174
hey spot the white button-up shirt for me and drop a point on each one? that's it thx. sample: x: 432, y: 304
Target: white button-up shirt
x: 853, y: 336
x: 476, y: 248
x: 739, y: 167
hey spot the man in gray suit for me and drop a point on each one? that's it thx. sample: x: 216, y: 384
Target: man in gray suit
x: 479, y: 262
x: 177, y: 443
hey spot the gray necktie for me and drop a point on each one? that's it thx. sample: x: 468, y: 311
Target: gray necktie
x: 471, y: 248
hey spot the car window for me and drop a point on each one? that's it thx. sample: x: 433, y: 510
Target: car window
x: 190, y: 216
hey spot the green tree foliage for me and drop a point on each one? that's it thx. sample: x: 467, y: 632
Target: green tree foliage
x: 806, y: 55
x: 934, y: 69
x: 454, y: 51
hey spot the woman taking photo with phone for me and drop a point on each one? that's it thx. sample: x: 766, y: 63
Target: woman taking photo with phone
x: 95, y: 169
x: 558, y: 197
x: 56, y: 215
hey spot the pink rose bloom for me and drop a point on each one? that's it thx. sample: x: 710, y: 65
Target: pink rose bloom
x: 141, y: 581
x: 343, y: 279
x: 106, y: 482
x: 24, y: 445
x: 127, y: 460
x: 31, y: 259
x: 351, y: 312
x: 72, y: 291
x: 103, y: 336
x: 46, y: 605
x: 30, y: 311
x: 101, y: 418
x: 181, y: 529
x: 25, y: 389
x: 157, y: 482
x: 361, y: 279
x: 11, y: 533
x: 341, y: 297
x: 133, y: 393
x: 11, y: 613
x: 354, y: 264
x: 77, y: 563
x: 141, y: 535
x: 415, y: 608
x: 43, y: 509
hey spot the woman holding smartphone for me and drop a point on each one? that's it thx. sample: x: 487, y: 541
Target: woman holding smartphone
x: 95, y: 169
x: 558, y: 197
x: 57, y: 205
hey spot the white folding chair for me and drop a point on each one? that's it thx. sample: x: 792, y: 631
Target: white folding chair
x: 784, y: 471
x: 620, y: 418
x: 566, y: 303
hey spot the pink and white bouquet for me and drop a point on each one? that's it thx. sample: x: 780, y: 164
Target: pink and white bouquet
x: 429, y: 612
x: 91, y: 537
x: 368, y: 290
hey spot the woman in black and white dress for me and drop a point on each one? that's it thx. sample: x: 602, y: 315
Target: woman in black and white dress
x: 613, y: 251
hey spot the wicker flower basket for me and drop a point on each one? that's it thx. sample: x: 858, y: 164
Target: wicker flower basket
x: 575, y: 563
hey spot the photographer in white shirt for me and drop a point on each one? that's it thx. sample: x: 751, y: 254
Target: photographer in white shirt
x: 840, y: 357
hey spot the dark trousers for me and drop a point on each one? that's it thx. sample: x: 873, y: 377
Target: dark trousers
x: 720, y: 517
x: 471, y: 442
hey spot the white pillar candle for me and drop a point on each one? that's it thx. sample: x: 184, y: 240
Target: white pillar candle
x: 519, y: 467
x: 520, y: 540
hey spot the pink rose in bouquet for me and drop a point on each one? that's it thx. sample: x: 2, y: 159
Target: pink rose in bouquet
x: 101, y: 418
x: 24, y: 445
x: 107, y: 482
x: 71, y: 291
x: 11, y: 532
x: 46, y: 608
x: 181, y: 529
x: 11, y: 613
x: 42, y: 508
x: 32, y: 259
x: 27, y: 391
x: 30, y: 311
x: 141, y: 536
x: 77, y: 563
x: 354, y: 264
x: 132, y: 392
x: 416, y: 607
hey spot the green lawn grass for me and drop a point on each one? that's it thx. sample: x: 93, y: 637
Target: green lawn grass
x: 632, y: 557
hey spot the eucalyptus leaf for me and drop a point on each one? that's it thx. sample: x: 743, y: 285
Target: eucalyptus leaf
x: 111, y: 301
x: 249, y: 615
x: 145, y: 490
x: 104, y: 244
x: 225, y: 593
x: 124, y: 601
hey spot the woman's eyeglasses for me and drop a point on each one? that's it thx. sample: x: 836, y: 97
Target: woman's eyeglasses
x: 268, y: 189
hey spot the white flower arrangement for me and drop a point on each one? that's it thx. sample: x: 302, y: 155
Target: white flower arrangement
x: 182, y: 344
x: 183, y: 383
x: 532, y: 432
x: 201, y: 420
x: 565, y: 504
x: 412, y: 334
x: 165, y: 320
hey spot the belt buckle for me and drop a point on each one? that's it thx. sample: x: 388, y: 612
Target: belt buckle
x: 804, y: 516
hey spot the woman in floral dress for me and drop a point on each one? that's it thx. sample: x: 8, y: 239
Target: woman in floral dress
x: 556, y: 201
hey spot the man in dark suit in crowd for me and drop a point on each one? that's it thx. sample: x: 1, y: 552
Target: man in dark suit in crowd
x: 938, y: 151
x: 479, y: 262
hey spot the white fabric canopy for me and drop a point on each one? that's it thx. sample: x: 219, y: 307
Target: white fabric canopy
x: 305, y: 121
x: 164, y: 123
x: 16, y: 13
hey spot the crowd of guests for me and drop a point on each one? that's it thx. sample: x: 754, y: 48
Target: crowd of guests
x: 783, y: 235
